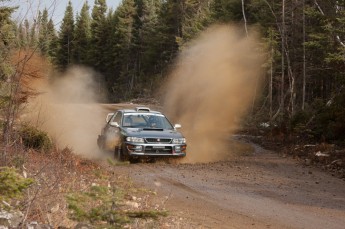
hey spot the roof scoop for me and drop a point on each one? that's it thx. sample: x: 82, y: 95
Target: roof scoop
x: 142, y: 109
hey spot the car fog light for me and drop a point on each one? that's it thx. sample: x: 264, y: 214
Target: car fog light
x: 177, y: 148
x: 135, y: 148
x: 138, y: 148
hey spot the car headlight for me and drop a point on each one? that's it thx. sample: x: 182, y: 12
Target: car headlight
x: 135, y: 139
x: 179, y: 141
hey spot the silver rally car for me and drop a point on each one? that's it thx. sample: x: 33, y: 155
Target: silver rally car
x: 141, y: 133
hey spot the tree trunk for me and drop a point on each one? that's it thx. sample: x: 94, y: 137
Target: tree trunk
x: 283, y: 59
x: 304, y: 60
x: 244, y: 18
x: 271, y: 82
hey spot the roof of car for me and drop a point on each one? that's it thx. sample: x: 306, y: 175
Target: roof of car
x: 140, y: 110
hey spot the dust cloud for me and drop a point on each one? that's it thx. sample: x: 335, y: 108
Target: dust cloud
x: 211, y: 89
x: 67, y: 109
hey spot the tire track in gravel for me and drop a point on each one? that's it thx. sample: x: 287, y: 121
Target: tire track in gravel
x: 259, y: 190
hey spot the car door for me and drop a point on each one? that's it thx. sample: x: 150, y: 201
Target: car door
x: 112, y: 132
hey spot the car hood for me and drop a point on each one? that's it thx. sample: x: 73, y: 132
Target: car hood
x: 152, y: 133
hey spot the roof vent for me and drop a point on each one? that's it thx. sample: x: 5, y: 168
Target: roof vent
x: 142, y: 109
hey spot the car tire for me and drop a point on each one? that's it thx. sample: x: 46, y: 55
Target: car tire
x: 119, y: 153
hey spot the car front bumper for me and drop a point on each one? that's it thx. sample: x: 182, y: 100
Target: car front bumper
x: 155, y: 150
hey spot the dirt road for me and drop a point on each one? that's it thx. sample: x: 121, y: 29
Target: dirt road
x: 258, y: 189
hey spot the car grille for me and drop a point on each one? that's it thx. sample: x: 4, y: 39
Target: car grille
x: 158, y: 140
x: 161, y: 150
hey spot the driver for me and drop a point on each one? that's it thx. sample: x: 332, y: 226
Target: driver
x: 152, y: 121
x: 128, y: 121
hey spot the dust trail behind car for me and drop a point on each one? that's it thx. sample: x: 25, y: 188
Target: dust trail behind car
x: 66, y: 107
x: 212, y: 87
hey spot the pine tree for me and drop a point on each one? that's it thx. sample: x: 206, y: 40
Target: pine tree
x: 150, y: 38
x: 98, y: 35
x: 66, y: 37
x: 32, y: 35
x: 136, y: 43
x: 122, y: 80
x: 226, y: 11
x: 27, y: 29
x: 9, y: 80
x: 7, y: 36
x: 21, y: 35
x: 195, y: 18
x: 43, y: 38
x: 82, y: 36
x: 53, y: 40
x: 170, y: 27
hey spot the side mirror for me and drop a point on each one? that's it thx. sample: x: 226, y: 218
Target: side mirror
x: 114, y: 124
x: 177, y: 126
x: 108, y: 117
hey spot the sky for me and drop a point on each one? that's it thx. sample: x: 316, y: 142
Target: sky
x: 28, y: 8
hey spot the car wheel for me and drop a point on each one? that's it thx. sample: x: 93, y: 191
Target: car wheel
x: 119, y: 153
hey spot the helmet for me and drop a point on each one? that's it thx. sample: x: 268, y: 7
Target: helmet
x: 153, y: 120
x: 128, y: 121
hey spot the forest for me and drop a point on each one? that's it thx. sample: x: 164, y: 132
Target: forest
x: 133, y: 47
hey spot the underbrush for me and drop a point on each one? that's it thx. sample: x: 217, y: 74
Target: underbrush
x: 33, y: 138
x: 12, y: 185
x: 104, y: 206
x: 306, y: 149
x: 315, y: 136
x: 64, y: 190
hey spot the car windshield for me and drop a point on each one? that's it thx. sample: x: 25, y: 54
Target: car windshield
x: 146, y: 120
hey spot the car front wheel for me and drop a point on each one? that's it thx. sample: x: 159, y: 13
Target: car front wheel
x: 119, y: 153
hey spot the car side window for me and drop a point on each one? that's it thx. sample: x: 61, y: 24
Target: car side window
x: 117, y: 118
